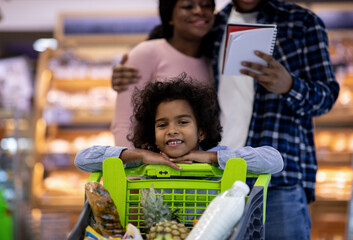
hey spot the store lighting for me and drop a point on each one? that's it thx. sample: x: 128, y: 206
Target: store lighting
x: 3, y: 176
x: 42, y: 44
x: 9, y: 144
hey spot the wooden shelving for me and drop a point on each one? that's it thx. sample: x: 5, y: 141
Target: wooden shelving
x: 74, y: 107
x: 72, y: 85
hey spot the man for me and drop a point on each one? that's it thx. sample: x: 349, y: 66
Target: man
x: 275, y: 107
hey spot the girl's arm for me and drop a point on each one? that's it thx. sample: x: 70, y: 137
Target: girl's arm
x: 259, y: 160
x: 91, y: 159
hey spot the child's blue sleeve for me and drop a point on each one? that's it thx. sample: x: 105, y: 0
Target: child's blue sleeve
x: 259, y: 160
x: 91, y: 159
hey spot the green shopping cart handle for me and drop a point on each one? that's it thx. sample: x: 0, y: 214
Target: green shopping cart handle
x: 189, y: 170
x: 164, y: 171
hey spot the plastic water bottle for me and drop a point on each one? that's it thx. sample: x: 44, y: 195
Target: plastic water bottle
x: 221, y: 215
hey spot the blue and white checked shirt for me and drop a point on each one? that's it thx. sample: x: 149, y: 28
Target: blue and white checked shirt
x: 259, y: 160
x: 284, y: 121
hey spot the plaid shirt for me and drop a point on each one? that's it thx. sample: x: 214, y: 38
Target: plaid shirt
x: 284, y: 121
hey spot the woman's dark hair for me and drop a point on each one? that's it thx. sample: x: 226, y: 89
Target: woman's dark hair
x: 202, y: 99
x: 165, y: 30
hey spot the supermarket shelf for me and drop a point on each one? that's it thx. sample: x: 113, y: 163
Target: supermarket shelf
x: 99, y: 116
x: 6, y: 113
x: 90, y: 118
x: 348, y: 81
x: 334, y: 199
x: 61, y: 203
x: 339, y: 116
x: 79, y: 84
x: 334, y: 158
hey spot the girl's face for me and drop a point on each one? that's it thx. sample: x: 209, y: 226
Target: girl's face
x: 192, y: 18
x: 176, y: 129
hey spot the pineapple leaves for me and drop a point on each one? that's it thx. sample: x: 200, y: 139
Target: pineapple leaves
x: 154, y: 209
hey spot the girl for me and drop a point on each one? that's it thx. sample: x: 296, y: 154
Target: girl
x: 176, y: 121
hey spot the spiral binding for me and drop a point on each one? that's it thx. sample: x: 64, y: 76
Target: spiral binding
x: 273, y: 43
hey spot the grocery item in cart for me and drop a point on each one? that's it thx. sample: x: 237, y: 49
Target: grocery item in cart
x: 176, y: 230
x: 104, y: 210
x: 153, y: 207
x: 222, y: 214
x: 159, y: 218
x: 132, y: 233
x: 190, y: 195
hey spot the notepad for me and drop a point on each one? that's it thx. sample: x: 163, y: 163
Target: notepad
x: 242, y: 41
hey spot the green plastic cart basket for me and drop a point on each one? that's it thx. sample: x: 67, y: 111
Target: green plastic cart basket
x: 189, y: 190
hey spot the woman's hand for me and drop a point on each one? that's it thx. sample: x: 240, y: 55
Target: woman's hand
x: 124, y: 75
x: 196, y: 156
x: 274, y: 77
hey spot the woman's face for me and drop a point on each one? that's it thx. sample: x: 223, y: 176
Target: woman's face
x: 176, y: 129
x: 246, y: 5
x: 192, y: 19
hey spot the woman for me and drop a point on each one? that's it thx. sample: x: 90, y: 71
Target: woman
x: 185, y: 25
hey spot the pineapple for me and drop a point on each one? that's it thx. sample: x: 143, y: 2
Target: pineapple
x: 177, y: 230
x: 154, y: 209
x: 164, y: 236
x: 158, y: 218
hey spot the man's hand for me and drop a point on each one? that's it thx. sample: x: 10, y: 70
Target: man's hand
x: 123, y: 75
x: 274, y: 77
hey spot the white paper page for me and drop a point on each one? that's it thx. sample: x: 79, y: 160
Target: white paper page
x: 241, y: 47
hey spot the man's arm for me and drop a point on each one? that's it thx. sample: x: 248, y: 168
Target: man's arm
x: 315, y: 91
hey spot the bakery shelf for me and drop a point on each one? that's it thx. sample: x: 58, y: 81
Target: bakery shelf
x: 79, y: 84
x: 61, y: 116
x: 338, y: 116
x: 325, y: 158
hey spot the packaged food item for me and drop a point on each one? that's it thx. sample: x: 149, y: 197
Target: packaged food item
x: 132, y: 233
x: 91, y: 234
x: 104, y: 210
x: 221, y: 215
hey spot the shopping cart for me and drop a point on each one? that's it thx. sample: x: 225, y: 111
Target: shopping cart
x: 189, y: 190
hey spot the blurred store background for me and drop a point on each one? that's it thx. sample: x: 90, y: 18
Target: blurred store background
x: 55, y: 99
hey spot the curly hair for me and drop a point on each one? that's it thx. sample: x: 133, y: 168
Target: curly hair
x: 202, y: 99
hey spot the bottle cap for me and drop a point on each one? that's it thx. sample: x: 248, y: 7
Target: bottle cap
x: 242, y: 187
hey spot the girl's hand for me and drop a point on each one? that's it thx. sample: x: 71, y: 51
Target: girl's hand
x: 149, y: 157
x: 197, y: 156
